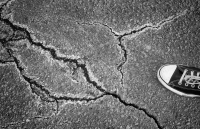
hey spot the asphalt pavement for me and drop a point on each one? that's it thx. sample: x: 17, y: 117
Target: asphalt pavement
x: 93, y: 64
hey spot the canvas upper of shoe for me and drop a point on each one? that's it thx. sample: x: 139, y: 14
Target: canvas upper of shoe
x: 186, y: 79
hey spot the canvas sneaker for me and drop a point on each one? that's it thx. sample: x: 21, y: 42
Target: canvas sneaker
x: 180, y: 79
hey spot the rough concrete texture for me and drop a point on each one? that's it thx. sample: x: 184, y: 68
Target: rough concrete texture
x: 70, y: 64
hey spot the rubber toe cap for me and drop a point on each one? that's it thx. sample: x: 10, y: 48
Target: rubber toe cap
x: 166, y: 72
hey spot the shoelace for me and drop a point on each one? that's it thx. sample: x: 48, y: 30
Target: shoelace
x: 190, y: 79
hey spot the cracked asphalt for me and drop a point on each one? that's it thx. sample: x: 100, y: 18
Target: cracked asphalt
x: 70, y: 64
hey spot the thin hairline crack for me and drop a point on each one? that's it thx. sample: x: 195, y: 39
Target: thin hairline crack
x: 25, y: 121
x: 6, y: 61
x: 83, y: 66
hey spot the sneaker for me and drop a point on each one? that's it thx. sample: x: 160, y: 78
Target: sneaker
x: 180, y: 79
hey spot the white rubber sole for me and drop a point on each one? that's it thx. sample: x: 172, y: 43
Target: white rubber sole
x: 171, y: 89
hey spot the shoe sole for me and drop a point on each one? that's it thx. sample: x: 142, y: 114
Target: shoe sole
x: 171, y: 89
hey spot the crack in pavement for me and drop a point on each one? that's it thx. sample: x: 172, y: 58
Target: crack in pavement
x: 46, y: 95
x: 136, y: 107
x: 135, y: 32
x: 116, y: 34
x: 83, y: 66
x: 25, y: 121
x: 138, y: 31
x: 105, y: 92
x: 120, y: 44
x: 56, y: 98
x: 124, y: 60
x: 6, y: 61
x: 22, y: 33
x: 54, y: 55
x: 49, y: 97
x: 147, y: 26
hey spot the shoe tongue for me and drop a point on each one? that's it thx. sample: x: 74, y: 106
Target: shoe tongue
x: 177, y: 74
x: 179, y: 71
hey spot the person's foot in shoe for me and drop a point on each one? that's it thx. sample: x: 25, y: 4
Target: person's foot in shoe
x: 180, y: 79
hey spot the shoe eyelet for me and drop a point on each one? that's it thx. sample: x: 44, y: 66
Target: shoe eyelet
x: 192, y: 73
x: 198, y: 74
x: 179, y: 83
x: 193, y: 86
x: 186, y: 84
x: 198, y: 86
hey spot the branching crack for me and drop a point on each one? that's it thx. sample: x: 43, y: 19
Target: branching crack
x: 74, y: 99
x: 36, y: 88
x: 46, y: 95
x: 147, y: 26
x: 53, y: 52
x: 139, y: 29
x: 134, y: 32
